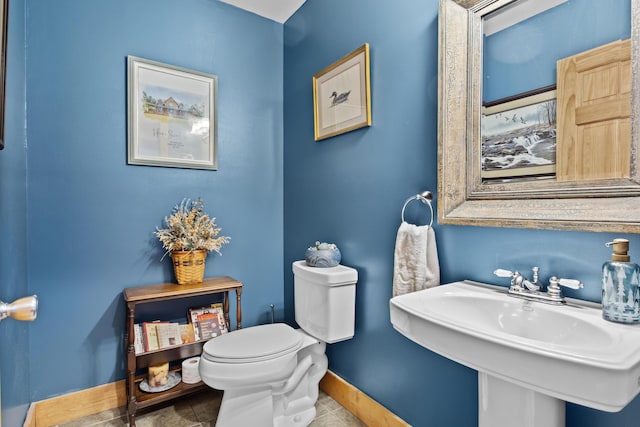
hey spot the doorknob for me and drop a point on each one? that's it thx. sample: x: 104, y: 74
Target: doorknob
x: 25, y: 309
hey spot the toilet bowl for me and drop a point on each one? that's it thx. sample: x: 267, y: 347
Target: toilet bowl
x: 270, y: 373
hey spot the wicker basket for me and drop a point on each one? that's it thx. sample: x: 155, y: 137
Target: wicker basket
x: 189, y: 266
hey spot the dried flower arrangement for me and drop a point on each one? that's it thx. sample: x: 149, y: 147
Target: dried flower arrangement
x: 190, y: 229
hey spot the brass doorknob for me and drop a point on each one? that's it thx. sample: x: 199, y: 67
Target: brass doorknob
x: 25, y: 309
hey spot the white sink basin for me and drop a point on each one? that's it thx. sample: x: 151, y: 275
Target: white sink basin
x: 567, y: 352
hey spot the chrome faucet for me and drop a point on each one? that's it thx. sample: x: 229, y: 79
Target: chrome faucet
x: 532, y: 290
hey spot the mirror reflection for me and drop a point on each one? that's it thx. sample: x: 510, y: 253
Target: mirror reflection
x: 538, y: 114
x: 530, y: 52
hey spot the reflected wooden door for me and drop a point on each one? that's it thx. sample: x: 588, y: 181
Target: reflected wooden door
x: 594, y: 110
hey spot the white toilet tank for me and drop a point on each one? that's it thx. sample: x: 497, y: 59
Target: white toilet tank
x: 325, y: 301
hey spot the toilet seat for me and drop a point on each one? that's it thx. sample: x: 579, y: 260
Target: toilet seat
x: 254, y: 344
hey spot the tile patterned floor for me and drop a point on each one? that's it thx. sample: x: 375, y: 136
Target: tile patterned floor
x: 202, y: 411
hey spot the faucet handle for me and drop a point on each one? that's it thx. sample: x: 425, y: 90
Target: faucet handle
x: 503, y: 273
x: 554, y: 290
x: 571, y: 283
x: 517, y: 280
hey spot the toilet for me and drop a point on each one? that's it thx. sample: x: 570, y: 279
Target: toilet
x: 270, y: 373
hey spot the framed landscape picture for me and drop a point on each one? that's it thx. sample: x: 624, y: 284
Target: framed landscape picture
x: 172, y: 116
x: 519, y: 136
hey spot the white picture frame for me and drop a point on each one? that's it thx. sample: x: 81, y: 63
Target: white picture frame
x: 172, y: 116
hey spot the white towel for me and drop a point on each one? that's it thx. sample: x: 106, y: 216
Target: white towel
x: 415, y: 263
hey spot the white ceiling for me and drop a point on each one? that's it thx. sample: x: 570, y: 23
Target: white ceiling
x: 514, y: 13
x: 276, y: 10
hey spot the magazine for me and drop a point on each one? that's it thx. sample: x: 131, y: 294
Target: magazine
x: 186, y: 333
x: 150, y: 335
x: 138, y: 342
x: 168, y: 334
x: 209, y: 325
x: 216, y: 309
x: 223, y: 322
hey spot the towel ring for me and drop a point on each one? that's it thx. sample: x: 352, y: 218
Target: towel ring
x: 425, y: 197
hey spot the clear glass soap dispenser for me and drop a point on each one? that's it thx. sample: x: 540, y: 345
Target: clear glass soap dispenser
x: 620, y: 280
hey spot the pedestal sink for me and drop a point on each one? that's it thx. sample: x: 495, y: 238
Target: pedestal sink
x: 531, y: 357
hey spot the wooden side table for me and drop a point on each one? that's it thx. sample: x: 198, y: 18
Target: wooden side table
x: 138, y: 399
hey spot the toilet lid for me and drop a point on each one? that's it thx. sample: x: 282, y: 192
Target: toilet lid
x: 253, y: 344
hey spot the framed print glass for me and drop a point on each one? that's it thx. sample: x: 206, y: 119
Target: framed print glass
x: 342, y: 96
x: 519, y: 136
x: 172, y: 116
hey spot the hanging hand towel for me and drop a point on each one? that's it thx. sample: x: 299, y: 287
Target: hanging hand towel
x: 415, y: 263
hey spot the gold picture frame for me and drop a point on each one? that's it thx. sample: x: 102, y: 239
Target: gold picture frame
x: 342, y: 95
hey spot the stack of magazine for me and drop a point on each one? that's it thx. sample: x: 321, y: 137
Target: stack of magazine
x: 204, y: 323
x: 208, y: 322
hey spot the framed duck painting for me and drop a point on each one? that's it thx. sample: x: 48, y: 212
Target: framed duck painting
x: 342, y: 95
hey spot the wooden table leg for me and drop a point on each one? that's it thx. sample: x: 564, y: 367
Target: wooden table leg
x: 225, y: 309
x: 238, y: 308
x: 131, y: 361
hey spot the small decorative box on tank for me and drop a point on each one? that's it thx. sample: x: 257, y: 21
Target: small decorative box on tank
x: 323, y: 255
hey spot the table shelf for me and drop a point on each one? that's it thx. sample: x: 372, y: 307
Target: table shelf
x: 138, y: 399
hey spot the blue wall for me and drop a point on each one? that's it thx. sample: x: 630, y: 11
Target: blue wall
x: 523, y: 57
x: 91, y: 216
x: 14, y: 336
x: 350, y: 189
x: 77, y: 221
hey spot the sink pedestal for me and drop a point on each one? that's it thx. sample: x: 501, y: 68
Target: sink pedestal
x: 503, y: 404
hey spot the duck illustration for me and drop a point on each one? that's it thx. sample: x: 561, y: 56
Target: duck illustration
x: 339, y: 99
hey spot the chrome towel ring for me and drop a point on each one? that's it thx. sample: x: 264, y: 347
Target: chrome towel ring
x: 425, y: 197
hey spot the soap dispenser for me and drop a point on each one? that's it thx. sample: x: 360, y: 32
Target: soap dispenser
x: 620, y: 280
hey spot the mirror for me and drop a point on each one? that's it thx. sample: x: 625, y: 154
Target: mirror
x: 465, y: 197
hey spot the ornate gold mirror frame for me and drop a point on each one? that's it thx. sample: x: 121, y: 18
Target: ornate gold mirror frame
x: 611, y: 205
